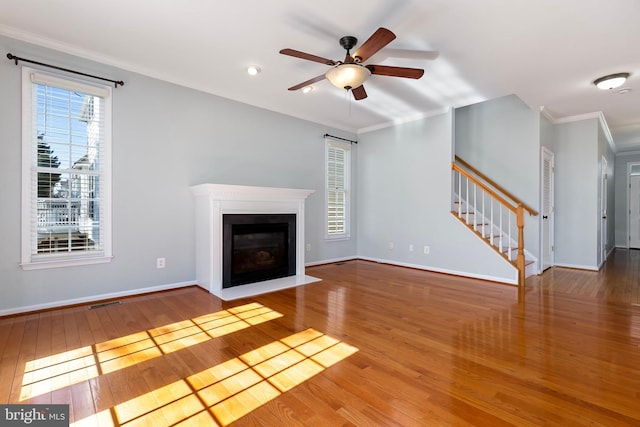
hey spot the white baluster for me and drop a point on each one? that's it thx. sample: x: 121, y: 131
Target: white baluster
x: 491, y: 222
x: 459, y: 194
x: 467, y: 199
x: 484, y: 227
x: 500, y: 230
x: 509, y: 237
x: 475, y: 207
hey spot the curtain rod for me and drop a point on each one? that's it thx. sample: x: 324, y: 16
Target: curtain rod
x: 16, y: 59
x: 343, y: 139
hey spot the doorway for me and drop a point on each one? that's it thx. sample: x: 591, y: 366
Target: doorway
x: 548, y: 161
x: 634, y: 205
x: 604, y: 179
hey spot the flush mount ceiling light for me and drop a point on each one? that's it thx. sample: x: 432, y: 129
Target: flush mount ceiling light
x: 253, y: 70
x: 611, y: 81
x: 348, y: 76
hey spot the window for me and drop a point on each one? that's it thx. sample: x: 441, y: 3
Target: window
x: 66, y: 185
x: 338, y: 162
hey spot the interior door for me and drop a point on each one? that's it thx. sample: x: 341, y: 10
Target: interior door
x: 634, y: 211
x: 547, y: 208
x: 603, y: 208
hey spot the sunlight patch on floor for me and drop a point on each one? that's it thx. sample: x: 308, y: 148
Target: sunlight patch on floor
x: 50, y: 373
x: 230, y: 390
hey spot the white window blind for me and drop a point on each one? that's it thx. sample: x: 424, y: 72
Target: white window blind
x: 337, y: 162
x: 66, y: 188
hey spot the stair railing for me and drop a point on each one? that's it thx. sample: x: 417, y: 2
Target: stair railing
x: 500, y: 222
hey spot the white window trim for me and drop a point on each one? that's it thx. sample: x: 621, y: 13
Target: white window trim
x: 74, y: 259
x: 347, y: 176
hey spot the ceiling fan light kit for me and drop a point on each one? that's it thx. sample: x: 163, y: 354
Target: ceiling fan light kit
x: 611, y: 81
x: 350, y: 74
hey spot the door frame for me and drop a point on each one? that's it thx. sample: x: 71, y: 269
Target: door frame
x: 550, y: 238
x: 628, y: 199
x: 604, y: 214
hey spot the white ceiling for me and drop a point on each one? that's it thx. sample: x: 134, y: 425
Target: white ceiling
x: 545, y: 51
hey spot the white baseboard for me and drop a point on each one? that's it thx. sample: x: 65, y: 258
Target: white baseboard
x: 331, y: 261
x: 606, y: 258
x: 513, y: 281
x: 93, y: 298
x: 100, y: 297
x: 577, y: 266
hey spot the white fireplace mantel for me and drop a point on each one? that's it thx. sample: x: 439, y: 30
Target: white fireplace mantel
x: 215, y: 200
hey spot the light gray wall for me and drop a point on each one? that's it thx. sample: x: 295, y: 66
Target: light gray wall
x: 547, y: 135
x: 576, y: 194
x: 501, y: 138
x: 622, y: 197
x: 405, y: 199
x: 165, y: 139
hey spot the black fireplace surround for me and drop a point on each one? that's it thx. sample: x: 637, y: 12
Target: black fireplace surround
x: 257, y: 247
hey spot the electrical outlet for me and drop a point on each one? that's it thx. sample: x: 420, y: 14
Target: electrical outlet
x: 427, y: 249
x: 410, y: 248
x: 308, y: 247
x: 160, y: 263
x: 390, y: 245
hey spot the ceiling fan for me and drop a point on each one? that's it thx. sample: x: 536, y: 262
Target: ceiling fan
x: 350, y: 74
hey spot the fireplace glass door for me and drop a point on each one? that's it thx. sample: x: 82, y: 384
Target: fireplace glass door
x: 257, y: 247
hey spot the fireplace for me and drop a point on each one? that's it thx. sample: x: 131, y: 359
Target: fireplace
x: 260, y: 263
x: 257, y: 247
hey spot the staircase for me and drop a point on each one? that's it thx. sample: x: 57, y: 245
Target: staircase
x: 492, y: 213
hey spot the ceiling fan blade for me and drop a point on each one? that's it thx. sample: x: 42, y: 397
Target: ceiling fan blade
x: 384, y: 70
x: 308, y: 82
x: 377, y: 41
x: 359, y: 93
x: 307, y: 56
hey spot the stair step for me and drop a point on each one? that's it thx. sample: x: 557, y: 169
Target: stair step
x: 481, y: 225
x: 514, y: 252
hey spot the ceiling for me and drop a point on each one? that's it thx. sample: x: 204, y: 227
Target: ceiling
x: 547, y: 52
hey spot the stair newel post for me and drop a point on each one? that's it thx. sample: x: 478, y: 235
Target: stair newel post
x: 520, y: 259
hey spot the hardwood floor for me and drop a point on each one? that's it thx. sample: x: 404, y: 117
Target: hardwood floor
x: 617, y: 281
x: 370, y: 344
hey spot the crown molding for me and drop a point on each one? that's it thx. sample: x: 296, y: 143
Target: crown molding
x: 607, y: 133
x: 48, y: 43
x: 599, y: 115
x: 547, y: 114
x: 579, y: 117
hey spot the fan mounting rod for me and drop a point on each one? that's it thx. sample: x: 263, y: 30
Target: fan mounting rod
x: 348, y: 42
